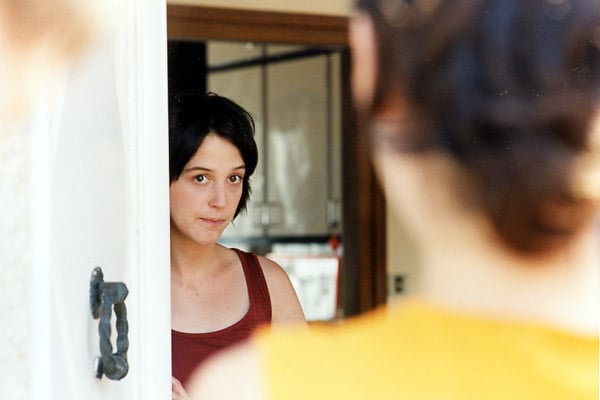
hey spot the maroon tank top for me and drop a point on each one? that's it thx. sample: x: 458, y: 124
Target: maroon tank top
x: 188, y: 350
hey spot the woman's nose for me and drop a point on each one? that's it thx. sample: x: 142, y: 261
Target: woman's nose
x: 218, y: 198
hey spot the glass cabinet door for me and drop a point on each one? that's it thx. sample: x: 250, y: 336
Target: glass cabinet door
x: 244, y: 86
x: 297, y: 147
x: 293, y: 93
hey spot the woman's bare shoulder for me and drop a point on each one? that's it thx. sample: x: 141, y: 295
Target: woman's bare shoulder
x: 285, y: 304
x: 272, y: 269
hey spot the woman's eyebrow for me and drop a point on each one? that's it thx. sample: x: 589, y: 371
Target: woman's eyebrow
x: 204, y: 169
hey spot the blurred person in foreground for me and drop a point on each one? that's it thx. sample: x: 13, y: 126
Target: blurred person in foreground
x: 38, y: 40
x: 485, y: 128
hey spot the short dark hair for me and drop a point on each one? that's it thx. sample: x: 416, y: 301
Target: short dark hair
x: 193, y: 117
x: 507, y: 88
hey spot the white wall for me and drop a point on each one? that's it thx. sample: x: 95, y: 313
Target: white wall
x: 402, y: 257
x: 327, y: 7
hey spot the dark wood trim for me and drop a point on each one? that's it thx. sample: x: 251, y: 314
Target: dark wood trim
x: 208, y: 23
x: 364, y: 263
x: 378, y: 217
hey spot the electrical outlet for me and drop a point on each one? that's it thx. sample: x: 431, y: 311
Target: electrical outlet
x: 398, y: 284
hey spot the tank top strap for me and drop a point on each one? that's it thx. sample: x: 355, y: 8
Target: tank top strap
x: 258, y: 291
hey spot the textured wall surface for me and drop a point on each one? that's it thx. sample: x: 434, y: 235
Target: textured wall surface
x: 14, y: 261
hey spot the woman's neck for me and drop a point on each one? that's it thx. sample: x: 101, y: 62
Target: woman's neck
x: 190, y: 259
x: 472, y: 272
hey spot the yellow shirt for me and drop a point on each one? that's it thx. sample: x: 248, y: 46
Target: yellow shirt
x: 418, y: 351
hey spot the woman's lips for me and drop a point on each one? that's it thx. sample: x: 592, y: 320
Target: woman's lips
x: 213, y: 222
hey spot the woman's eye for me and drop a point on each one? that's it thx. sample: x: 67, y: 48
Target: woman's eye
x: 235, y: 179
x: 200, y: 178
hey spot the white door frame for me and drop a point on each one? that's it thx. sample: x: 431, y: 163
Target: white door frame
x: 123, y: 84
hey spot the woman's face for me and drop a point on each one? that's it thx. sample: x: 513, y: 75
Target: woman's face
x: 204, y: 198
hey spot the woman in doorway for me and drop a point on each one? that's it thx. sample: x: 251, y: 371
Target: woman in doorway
x: 485, y: 122
x: 218, y: 295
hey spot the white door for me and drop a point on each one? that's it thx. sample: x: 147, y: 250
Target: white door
x: 100, y: 198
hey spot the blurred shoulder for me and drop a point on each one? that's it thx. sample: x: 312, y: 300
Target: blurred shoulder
x: 233, y: 374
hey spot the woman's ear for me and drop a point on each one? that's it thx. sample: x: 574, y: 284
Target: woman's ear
x: 364, y: 59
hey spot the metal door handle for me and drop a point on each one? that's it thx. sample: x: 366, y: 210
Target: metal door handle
x: 103, y: 296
